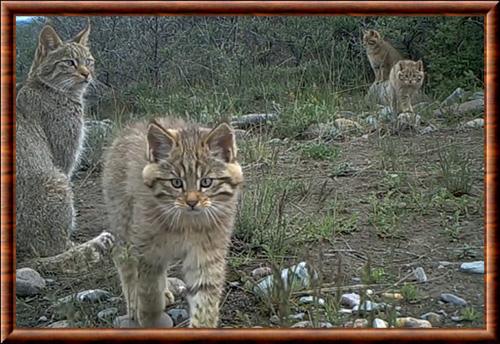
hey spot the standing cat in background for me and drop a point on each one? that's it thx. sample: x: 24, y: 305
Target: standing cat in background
x: 381, y: 54
x: 171, y: 192
x: 49, y: 136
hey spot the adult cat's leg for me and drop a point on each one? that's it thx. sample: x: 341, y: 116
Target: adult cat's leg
x: 204, y: 276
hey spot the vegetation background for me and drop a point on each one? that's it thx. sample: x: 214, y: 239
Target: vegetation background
x: 365, y: 209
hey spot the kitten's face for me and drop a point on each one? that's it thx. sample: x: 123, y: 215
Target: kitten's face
x: 193, y: 175
x: 411, y: 73
x: 371, y: 38
x: 67, y: 66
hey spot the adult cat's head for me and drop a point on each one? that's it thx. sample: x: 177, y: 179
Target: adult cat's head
x: 66, y: 66
x: 371, y: 38
x: 192, y: 172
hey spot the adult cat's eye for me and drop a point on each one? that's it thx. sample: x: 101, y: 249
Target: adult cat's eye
x: 205, y: 182
x: 176, y: 183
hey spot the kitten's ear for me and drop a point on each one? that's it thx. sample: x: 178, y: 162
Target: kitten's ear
x: 401, y: 65
x: 48, y: 40
x: 420, y: 65
x: 375, y: 34
x: 83, y: 37
x: 160, y: 141
x: 222, y: 142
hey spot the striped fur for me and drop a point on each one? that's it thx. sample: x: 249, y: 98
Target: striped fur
x: 160, y: 211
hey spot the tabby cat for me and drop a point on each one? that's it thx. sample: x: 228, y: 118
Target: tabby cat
x: 381, y: 54
x: 171, y: 191
x: 49, y: 136
x: 405, y: 81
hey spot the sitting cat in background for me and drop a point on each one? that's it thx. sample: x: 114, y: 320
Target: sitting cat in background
x: 381, y: 54
x: 171, y: 191
x: 49, y: 136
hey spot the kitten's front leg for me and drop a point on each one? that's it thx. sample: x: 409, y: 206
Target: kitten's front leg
x: 204, y: 277
x: 150, y: 295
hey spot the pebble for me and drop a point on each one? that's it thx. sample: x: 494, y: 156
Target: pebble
x: 455, y: 97
x: 368, y: 306
x: 473, y: 267
x: 427, y: 130
x: 350, y: 300
x: 311, y: 299
x: 456, y: 318
x: 379, y: 323
x: 43, y: 318
x: 475, y: 123
x: 434, y: 318
x: 450, y: 298
x: 107, y: 314
x: 345, y: 311
x: 298, y: 316
x: 409, y: 322
x: 59, y: 324
x: 28, y: 282
x: 420, y: 275
x: 369, y: 292
x: 393, y: 296
x: 178, y: 315
x: 360, y: 323
x: 261, y: 272
x: 309, y: 324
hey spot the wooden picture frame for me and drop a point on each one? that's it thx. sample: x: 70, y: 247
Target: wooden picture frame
x: 10, y: 9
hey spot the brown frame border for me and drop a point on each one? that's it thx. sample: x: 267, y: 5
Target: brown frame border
x: 9, y: 9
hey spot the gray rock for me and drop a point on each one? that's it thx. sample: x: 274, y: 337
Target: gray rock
x: 252, y: 120
x: 350, y: 300
x: 409, y: 322
x: 305, y: 300
x: 345, y: 311
x: 450, y: 298
x: 471, y: 106
x: 420, y: 275
x: 456, y: 318
x: 261, y: 272
x: 107, y: 314
x: 427, y: 130
x: 28, y: 282
x: 379, y: 323
x: 178, y: 315
x: 300, y: 277
x: 475, y: 123
x: 309, y: 324
x: 360, y: 323
x: 97, y: 136
x: 455, y: 97
x: 177, y: 287
x: 43, y: 318
x: 274, y: 319
x: 473, y: 267
x: 60, y: 324
x: 434, y: 318
x: 298, y: 316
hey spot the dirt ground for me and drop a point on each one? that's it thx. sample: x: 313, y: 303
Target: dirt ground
x: 432, y: 230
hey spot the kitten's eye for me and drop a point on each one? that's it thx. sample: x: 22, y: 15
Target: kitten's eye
x: 89, y: 62
x: 69, y: 63
x: 205, y: 182
x: 176, y: 183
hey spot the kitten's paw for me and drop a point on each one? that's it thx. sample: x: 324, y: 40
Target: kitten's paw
x: 104, y: 241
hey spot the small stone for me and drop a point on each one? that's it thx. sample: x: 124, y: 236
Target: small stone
x: 473, y: 267
x: 345, y: 311
x: 298, y: 316
x: 393, y: 296
x: 356, y: 279
x: 93, y: 295
x: 350, y: 300
x: 311, y: 299
x: 368, y: 306
x: 409, y: 322
x: 50, y: 281
x: 379, y: 323
x: 369, y: 292
x: 107, y: 314
x: 178, y: 315
x: 475, y: 123
x: 261, y: 272
x: 445, y: 263
x: 360, y: 323
x: 434, y: 318
x: 299, y: 275
x: 177, y: 287
x: 420, y: 275
x: 456, y: 318
x: 28, y: 282
x: 455, y: 97
x: 274, y: 319
x: 450, y: 298
x: 43, y: 318
x: 59, y: 324
x: 428, y: 129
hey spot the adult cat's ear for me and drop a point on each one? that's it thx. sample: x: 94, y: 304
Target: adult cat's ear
x: 160, y: 141
x: 49, y: 40
x: 222, y: 142
x: 420, y: 65
x: 83, y: 37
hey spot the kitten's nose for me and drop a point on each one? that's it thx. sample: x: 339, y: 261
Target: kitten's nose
x: 192, y: 203
x: 84, y: 72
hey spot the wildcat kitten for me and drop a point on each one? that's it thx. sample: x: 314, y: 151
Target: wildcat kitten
x: 381, y: 54
x: 171, y: 191
x: 49, y: 135
x: 405, y: 81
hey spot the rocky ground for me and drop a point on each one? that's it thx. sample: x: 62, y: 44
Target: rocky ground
x: 349, y: 224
